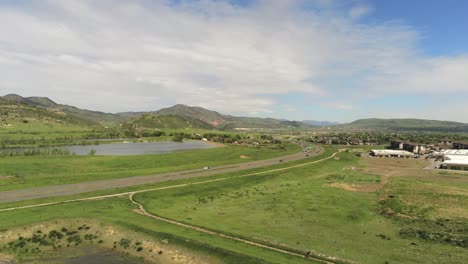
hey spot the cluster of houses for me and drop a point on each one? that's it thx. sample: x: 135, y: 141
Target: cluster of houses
x: 451, y: 155
x: 421, y: 149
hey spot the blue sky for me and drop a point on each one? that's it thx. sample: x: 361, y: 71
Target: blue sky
x: 331, y: 60
x: 443, y: 25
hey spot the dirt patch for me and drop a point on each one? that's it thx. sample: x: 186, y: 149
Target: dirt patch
x: 5, y: 177
x: 5, y: 259
x: 344, y: 186
x: 367, y: 188
x: 394, y: 166
x: 408, y: 168
x: 244, y: 157
x: 152, y: 250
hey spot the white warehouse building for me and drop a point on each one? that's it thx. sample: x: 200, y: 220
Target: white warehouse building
x: 391, y: 153
x: 455, y: 162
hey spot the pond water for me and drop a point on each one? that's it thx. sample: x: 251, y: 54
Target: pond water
x: 121, y: 149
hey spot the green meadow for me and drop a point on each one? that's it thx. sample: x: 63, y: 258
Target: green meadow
x: 332, y: 208
x: 37, y: 171
x: 300, y: 209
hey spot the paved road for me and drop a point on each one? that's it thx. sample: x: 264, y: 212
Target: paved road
x: 83, y: 187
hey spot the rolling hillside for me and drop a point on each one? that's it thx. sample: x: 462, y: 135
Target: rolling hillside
x: 208, y: 119
x: 228, y: 122
x: 21, y: 115
x: 182, y: 116
x: 93, y: 116
x: 152, y: 121
x: 208, y: 116
x: 408, y: 124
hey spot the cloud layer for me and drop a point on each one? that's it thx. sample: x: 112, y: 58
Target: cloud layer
x: 140, y: 55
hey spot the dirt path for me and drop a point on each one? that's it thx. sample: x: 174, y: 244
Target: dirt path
x: 77, y: 188
x: 143, y: 211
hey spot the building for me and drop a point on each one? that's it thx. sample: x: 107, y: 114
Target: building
x: 415, y: 147
x: 454, y: 152
x: 396, y: 144
x: 445, y: 144
x: 460, y: 145
x: 391, y: 153
x: 455, y: 162
x: 409, y: 146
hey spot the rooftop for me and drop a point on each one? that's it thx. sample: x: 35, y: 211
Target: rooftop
x: 390, y: 152
x: 462, y: 152
x: 455, y: 160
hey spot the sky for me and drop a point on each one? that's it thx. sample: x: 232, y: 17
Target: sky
x: 335, y: 60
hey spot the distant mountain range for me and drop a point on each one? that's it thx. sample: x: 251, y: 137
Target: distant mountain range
x: 320, y: 123
x: 228, y: 122
x: 182, y: 116
x: 405, y: 124
x: 177, y: 116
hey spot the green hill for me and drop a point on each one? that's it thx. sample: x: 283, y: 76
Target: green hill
x: 107, y: 119
x: 208, y: 116
x: 191, y: 113
x: 15, y: 115
x: 152, y: 121
x: 93, y: 116
x: 42, y: 101
x: 407, y: 124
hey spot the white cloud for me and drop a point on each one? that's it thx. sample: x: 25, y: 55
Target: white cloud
x: 121, y: 56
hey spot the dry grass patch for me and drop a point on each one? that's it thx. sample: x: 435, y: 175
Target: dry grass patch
x: 105, y: 236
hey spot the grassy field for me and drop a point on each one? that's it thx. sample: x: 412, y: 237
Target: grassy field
x: 165, y: 184
x: 116, y: 213
x: 36, y: 171
x: 364, y: 210
x: 329, y: 209
x: 110, y: 212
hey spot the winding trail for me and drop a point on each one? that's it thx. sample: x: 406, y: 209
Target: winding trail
x: 141, y: 210
x: 84, y: 187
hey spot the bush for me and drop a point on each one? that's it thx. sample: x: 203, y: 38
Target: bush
x: 125, y: 243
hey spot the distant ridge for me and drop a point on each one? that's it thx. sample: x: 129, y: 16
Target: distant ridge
x: 44, y: 102
x: 229, y: 122
x: 192, y: 114
x: 198, y: 117
x: 406, y: 124
x: 153, y: 121
x: 320, y: 123
x: 211, y: 117
x: 17, y: 112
